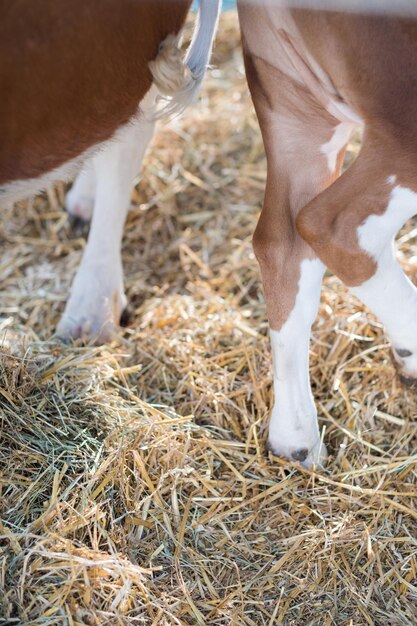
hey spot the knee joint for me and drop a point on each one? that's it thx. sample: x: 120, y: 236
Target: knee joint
x: 336, y: 243
x: 271, y: 253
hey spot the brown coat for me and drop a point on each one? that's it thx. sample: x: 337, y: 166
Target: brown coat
x: 71, y: 73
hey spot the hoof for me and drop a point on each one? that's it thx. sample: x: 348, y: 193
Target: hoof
x: 403, y: 353
x: 126, y: 316
x: 96, y: 301
x: 69, y: 331
x: 407, y: 381
x: 79, y: 205
x: 404, y: 362
x: 315, y: 456
x: 300, y: 455
x: 79, y: 226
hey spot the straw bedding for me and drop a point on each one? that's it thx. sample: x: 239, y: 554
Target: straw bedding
x: 135, y: 485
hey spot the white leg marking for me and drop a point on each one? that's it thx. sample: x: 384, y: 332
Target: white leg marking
x: 293, y: 430
x: 389, y: 293
x: 339, y: 139
x: 97, y: 294
x: 79, y: 200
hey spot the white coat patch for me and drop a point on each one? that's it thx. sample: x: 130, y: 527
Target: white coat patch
x: 338, y: 140
x: 389, y: 293
x: 293, y: 425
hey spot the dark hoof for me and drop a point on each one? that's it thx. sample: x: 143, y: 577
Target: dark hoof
x: 411, y: 383
x: 126, y: 316
x: 78, y: 226
x: 403, y: 353
x: 62, y: 339
x: 300, y: 455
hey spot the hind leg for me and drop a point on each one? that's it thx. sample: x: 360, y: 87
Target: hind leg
x: 352, y: 226
x: 97, y: 298
x: 79, y: 201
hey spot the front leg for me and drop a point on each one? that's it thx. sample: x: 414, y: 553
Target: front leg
x: 97, y: 297
x: 291, y: 276
x: 304, y: 147
x: 293, y: 430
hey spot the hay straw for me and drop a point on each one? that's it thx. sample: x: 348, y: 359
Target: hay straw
x: 134, y: 486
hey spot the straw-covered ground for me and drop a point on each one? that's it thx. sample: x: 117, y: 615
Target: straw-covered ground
x: 135, y: 485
